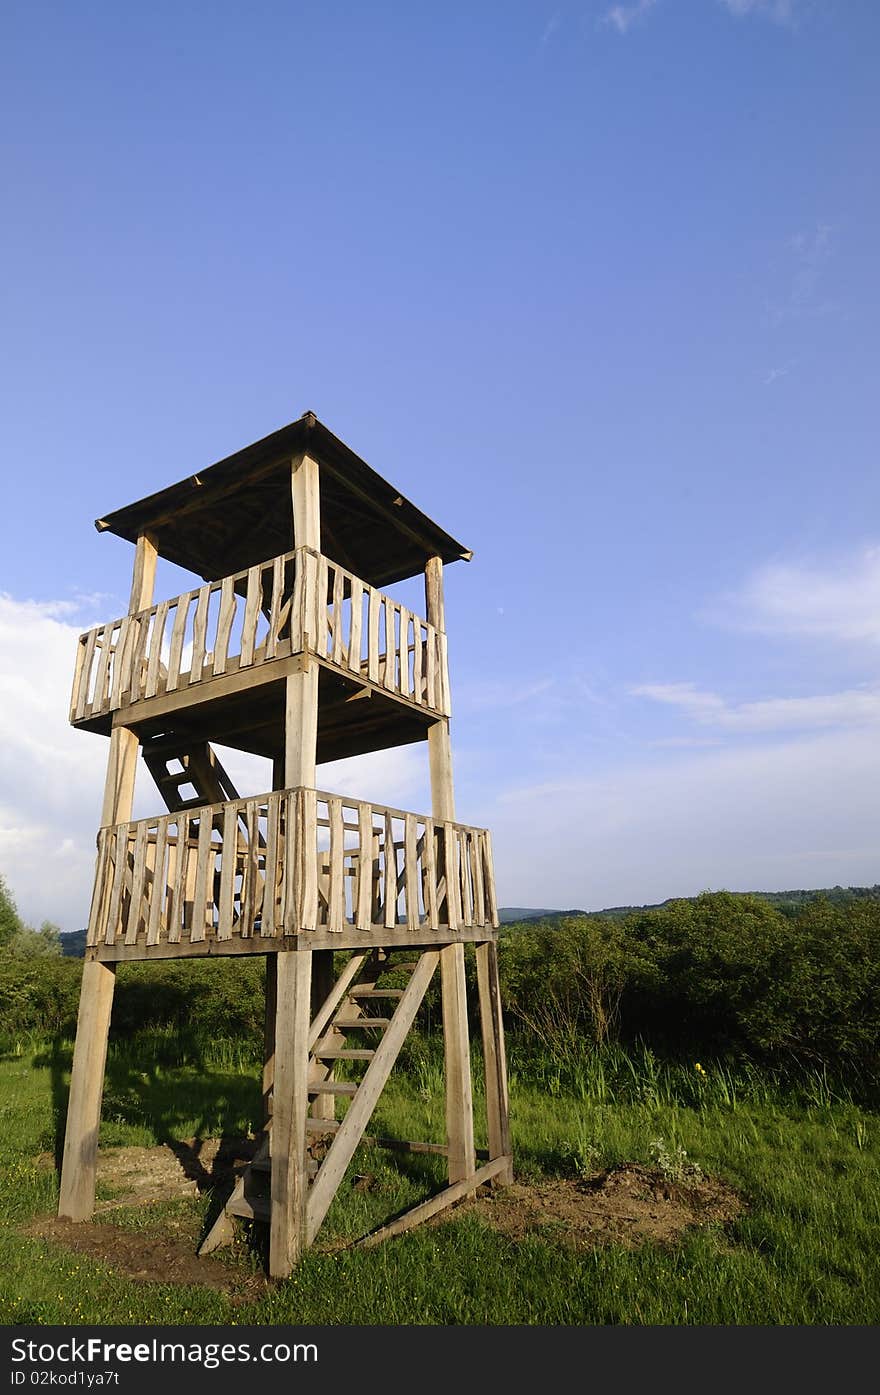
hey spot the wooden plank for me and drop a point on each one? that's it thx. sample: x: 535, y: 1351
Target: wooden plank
x: 364, y: 906
x: 457, y: 1058
x: 225, y: 618
x: 322, y: 613
x: 361, y: 1108
x: 389, y: 678
x: 99, y: 887
x: 375, y: 601
x: 105, y: 638
x: 121, y: 659
x: 356, y: 630
x: 200, y: 630
x: 390, y: 895
x: 251, y: 615
x: 159, y: 888
x: 450, y: 872
x: 159, y: 621
x: 336, y: 919
x: 177, y: 632
x: 289, y: 1178
x: 275, y: 606
x: 204, y: 869
x: 410, y: 870
x: 228, y: 867
x: 494, y: 1057
x: 269, y: 922
x: 308, y: 939
x: 418, y: 662
x: 136, y: 672
x: 309, y: 853
x: 426, y: 1209
x: 177, y: 908
x: 79, y: 1165
x: 85, y: 657
x: 444, y: 704
x: 429, y: 874
x: 339, y: 649
x: 403, y: 652
x: 250, y: 891
x: 489, y: 877
x: 476, y: 856
x: 114, y: 906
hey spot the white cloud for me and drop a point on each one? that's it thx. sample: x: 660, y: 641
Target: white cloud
x: 623, y: 17
x: 52, y: 777
x: 854, y: 707
x: 839, y: 602
x: 799, y: 814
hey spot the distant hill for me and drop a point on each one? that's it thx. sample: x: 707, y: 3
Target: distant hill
x: 73, y: 943
x: 789, y: 902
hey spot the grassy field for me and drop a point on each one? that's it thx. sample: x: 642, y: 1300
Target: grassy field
x: 804, y: 1159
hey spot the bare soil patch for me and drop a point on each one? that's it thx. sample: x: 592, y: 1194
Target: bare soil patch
x: 629, y: 1205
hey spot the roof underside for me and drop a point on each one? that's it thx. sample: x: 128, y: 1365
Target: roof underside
x: 238, y: 512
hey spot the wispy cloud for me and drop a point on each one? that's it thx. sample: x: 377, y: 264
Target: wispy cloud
x: 854, y: 707
x: 808, y: 253
x: 839, y: 602
x: 779, y: 11
x: 782, y: 371
x: 623, y: 17
x: 550, y: 28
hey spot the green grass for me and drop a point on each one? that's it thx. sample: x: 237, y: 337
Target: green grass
x: 804, y: 1156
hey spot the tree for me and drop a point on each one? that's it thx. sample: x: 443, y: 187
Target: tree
x: 27, y: 943
x: 10, y: 920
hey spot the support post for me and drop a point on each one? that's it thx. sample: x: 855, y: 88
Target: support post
x: 456, y: 1043
x: 290, y: 1096
x: 290, y: 1176
x: 80, y: 1160
x: 494, y: 1058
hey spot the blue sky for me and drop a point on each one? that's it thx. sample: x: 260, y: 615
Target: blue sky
x: 595, y: 285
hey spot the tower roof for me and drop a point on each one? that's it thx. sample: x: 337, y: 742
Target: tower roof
x: 238, y: 512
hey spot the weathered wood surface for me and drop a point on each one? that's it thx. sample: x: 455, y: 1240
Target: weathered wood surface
x: 290, y: 862
x: 298, y: 601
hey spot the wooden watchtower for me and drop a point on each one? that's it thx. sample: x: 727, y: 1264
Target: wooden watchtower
x: 291, y: 650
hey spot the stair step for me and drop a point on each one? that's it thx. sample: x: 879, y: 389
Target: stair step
x: 409, y: 965
x: 343, y: 1053
x: 314, y: 1125
x: 349, y: 1023
x: 334, y: 1087
x: 264, y: 1167
x: 362, y: 990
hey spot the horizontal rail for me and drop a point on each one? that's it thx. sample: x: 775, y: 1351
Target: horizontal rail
x: 288, y: 862
x: 300, y: 601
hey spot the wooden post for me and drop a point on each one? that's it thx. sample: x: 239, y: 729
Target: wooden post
x: 494, y: 1058
x: 290, y: 1097
x: 80, y: 1160
x: 79, y: 1165
x: 456, y: 1043
x: 290, y: 1104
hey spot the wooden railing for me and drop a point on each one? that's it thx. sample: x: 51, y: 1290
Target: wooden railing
x: 299, y: 601
x: 291, y: 861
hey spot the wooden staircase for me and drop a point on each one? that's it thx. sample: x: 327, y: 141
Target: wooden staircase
x: 331, y: 1141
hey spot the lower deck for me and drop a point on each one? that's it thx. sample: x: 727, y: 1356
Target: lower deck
x: 292, y: 869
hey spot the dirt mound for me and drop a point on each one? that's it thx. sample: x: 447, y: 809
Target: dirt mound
x: 629, y: 1205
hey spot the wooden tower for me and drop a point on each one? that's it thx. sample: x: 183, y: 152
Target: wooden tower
x: 289, y: 650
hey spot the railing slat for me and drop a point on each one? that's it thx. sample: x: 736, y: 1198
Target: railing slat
x: 251, y: 615
x: 357, y: 620
x: 100, y: 699
x: 429, y: 873
x: 224, y: 623
x: 204, y: 858
x: 410, y: 867
x: 390, y: 874
x: 275, y: 607
x: 160, y: 619
x: 338, y: 652
x: 158, y: 892
x: 182, y: 610
x: 269, y: 919
x: 336, y: 897
x: 373, y: 635
x: 364, y: 910
x: 228, y: 867
x: 102, y: 863
x: 403, y: 651
x: 390, y: 644
x: 200, y: 629
x: 114, y: 909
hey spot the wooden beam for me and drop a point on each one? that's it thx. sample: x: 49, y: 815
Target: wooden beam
x: 290, y: 1178
x: 143, y: 574
x: 79, y: 1165
x: 432, y: 1207
x: 494, y: 1057
x: 380, y: 938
